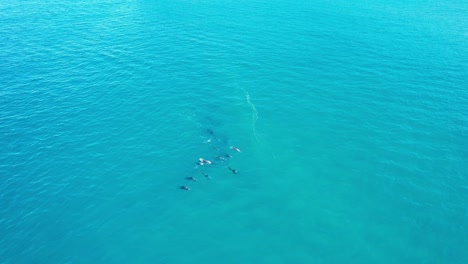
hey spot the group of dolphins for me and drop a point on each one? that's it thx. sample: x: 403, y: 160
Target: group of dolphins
x: 205, y: 162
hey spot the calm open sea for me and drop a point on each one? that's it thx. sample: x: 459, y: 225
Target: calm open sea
x: 351, y: 118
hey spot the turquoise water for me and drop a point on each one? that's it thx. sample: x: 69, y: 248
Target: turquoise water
x: 352, y: 118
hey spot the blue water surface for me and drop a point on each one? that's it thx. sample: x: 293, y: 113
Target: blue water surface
x: 351, y: 117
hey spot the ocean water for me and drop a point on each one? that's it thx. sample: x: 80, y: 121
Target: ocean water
x: 351, y: 117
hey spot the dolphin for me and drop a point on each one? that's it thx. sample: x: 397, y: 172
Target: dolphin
x: 235, y: 148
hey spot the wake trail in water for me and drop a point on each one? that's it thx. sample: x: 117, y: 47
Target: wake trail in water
x: 254, y: 113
